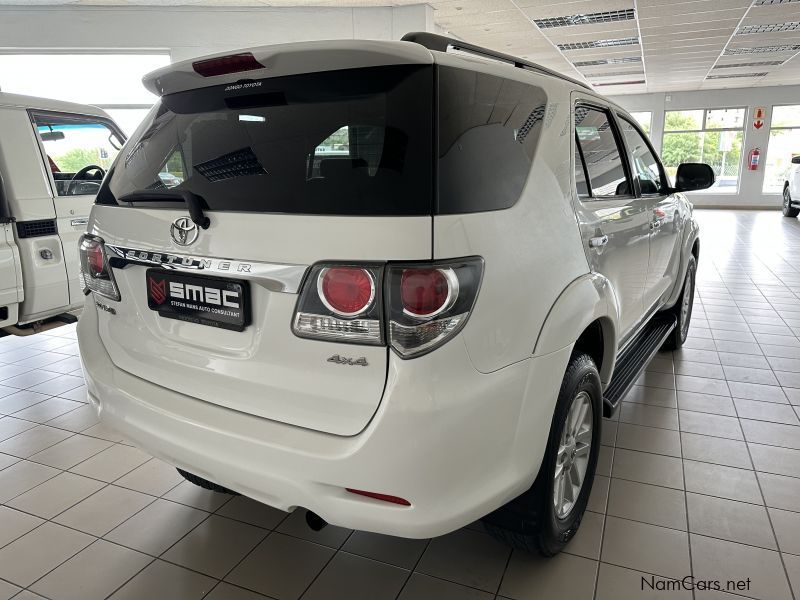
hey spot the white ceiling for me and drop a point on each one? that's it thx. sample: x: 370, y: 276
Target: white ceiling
x: 671, y: 45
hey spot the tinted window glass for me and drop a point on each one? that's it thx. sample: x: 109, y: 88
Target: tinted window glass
x: 645, y: 166
x: 600, y: 151
x: 580, y: 172
x: 352, y: 142
x: 488, y: 132
x: 75, y: 146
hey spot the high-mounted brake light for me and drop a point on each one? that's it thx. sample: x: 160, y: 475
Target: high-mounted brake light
x: 419, y: 307
x: 96, y: 274
x: 223, y: 65
x: 381, y: 497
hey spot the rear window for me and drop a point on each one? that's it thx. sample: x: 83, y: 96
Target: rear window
x: 352, y: 142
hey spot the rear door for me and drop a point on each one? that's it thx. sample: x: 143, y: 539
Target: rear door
x: 665, y: 215
x: 333, y: 166
x: 76, y: 150
x: 10, y: 274
x: 615, y: 224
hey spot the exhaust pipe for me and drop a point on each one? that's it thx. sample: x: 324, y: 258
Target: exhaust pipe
x: 315, y: 522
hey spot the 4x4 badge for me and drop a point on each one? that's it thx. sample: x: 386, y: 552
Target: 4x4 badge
x: 341, y: 360
x: 183, y: 231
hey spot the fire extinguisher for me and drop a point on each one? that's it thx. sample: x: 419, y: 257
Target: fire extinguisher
x: 753, y: 158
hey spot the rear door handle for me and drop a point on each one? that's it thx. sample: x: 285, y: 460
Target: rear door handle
x: 79, y: 222
x: 655, y: 224
x: 598, y: 242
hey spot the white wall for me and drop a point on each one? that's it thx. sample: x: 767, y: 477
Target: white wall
x: 187, y: 32
x: 750, y: 183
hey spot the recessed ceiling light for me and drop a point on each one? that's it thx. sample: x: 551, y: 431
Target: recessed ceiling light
x: 763, y: 49
x: 762, y: 63
x: 613, y: 74
x: 771, y: 28
x: 736, y: 75
x: 767, y: 2
x: 630, y: 41
x: 586, y: 19
x: 638, y: 81
x: 608, y: 61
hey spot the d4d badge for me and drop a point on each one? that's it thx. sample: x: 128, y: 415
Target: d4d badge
x: 341, y: 360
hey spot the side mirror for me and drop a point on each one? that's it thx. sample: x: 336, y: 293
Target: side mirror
x: 796, y: 160
x: 694, y: 176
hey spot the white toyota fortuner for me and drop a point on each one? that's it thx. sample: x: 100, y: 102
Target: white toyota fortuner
x: 391, y: 284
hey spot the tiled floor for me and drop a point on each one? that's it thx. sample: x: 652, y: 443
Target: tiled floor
x: 699, y: 475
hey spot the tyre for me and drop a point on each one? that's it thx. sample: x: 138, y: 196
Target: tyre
x: 547, y: 516
x: 683, y: 309
x: 205, y: 483
x: 788, y: 211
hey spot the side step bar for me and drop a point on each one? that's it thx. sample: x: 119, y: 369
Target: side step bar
x: 632, y: 361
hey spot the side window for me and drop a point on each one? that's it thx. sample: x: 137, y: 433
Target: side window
x: 78, y: 151
x: 601, y: 153
x: 580, y: 172
x: 645, y: 165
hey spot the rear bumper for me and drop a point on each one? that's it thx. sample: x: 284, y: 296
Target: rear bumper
x: 455, y: 447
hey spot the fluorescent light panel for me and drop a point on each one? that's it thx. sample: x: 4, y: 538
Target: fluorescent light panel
x: 771, y: 28
x: 762, y: 63
x: 638, y: 81
x: 630, y: 41
x: 736, y: 75
x: 608, y: 61
x: 613, y: 74
x: 763, y: 49
x: 768, y: 2
x: 608, y: 16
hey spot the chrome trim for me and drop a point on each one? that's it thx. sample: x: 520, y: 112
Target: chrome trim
x: 276, y: 277
x: 79, y: 222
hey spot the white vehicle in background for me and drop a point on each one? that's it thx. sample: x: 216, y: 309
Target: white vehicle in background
x: 791, y: 189
x: 53, y: 156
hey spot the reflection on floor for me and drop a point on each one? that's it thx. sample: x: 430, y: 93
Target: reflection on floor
x: 700, y: 474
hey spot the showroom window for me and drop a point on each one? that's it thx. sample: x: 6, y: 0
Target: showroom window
x: 110, y: 81
x: 644, y: 119
x: 712, y: 136
x: 784, y: 143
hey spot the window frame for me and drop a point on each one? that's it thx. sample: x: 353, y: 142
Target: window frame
x: 78, y: 118
x: 666, y: 184
x: 621, y: 148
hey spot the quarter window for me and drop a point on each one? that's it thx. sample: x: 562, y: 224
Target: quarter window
x: 601, y: 153
x: 645, y: 165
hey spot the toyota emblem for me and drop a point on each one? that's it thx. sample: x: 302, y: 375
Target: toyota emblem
x: 184, y: 232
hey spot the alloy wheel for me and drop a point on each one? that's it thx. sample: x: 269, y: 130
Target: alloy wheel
x: 574, y: 450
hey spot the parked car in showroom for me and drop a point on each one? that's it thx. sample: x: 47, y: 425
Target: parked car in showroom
x: 791, y: 189
x: 418, y: 331
x: 53, y: 156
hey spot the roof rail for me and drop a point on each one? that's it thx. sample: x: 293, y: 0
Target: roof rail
x: 441, y: 43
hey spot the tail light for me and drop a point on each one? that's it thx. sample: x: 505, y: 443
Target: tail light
x: 414, y: 307
x: 222, y: 65
x: 96, y: 275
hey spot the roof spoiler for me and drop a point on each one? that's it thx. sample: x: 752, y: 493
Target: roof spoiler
x: 5, y: 211
x: 441, y: 43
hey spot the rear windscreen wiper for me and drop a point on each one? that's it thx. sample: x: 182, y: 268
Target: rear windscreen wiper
x: 194, y: 202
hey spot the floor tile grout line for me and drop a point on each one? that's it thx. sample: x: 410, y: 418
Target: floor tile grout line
x: 414, y: 569
x: 685, y: 492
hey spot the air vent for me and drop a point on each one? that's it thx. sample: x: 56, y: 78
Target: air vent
x: 609, y: 16
x: 29, y: 229
x: 736, y: 75
x: 608, y: 61
x: 763, y: 49
x: 614, y: 74
x: 762, y: 63
x: 768, y: 2
x: 599, y: 44
x: 771, y: 28
x: 638, y: 81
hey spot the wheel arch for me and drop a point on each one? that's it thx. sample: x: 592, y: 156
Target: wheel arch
x: 586, y: 316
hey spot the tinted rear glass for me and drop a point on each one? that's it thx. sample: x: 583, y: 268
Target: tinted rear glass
x: 352, y: 142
